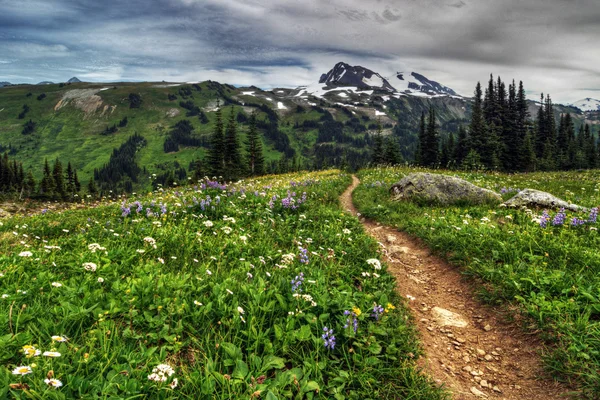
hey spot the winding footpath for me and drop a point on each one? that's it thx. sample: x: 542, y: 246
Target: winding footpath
x: 468, y: 346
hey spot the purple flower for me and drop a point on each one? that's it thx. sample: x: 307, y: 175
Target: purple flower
x: 297, y: 283
x: 593, y: 215
x: 377, y: 311
x: 303, y: 255
x: 352, y: 319
x: 328, y: 338
x: 544, y: 219
x: 559, y: 218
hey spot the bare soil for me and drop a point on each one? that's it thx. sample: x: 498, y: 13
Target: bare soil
x: 474, y: 352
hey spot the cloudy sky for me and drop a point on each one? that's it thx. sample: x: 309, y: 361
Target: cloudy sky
x: 552, y: 45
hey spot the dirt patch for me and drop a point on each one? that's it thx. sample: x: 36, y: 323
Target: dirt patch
x: 84, y: 99
x: 483, y: 356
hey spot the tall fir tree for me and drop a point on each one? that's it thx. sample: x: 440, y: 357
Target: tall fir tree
x: 462, y: 146
x: 59, y: 181
x: 420, y: 140
x: 431, y: 146
x: 478, y: 129
x: 47, y: 184
x: 254, y: 152
x: 70, y: 181
x: 233, y: 158
x: 377, y: 154
x: 216, y: 155
x: 392, y: 154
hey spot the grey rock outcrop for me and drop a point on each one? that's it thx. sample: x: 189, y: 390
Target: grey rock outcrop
x: 539, y: 199
x: 441, y: 189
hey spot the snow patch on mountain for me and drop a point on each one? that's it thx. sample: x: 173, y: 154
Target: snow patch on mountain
x: 587, y: 104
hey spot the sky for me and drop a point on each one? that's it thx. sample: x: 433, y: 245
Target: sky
x: 551, y: 45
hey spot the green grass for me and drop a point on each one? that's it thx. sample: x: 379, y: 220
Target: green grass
x: 206, y: 289
x: 552, y: 274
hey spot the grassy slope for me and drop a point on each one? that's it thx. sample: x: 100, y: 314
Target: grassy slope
x: 144, y: 312
x: 552, y: 274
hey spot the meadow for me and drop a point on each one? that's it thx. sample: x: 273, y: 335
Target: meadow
x: 542, y: 266
x: 260, y: 290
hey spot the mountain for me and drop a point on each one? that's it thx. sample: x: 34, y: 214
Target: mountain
x: 413, y: 83
x: 46, y: 83
x: 343, y: 74
x: 2, y: 84
x: 587, y: 104
x: 74, y: 80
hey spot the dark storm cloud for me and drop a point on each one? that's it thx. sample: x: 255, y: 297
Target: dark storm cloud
x: 549, y: 44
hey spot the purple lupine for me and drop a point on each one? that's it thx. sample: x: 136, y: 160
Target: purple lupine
x: 577, y: 222
x: 377, y: 311
x: 163, y: 209
x: 297, y: 283
x: 544, y: 219
x: 352, y: 319
x: 593, y: 215
x: 559, y: 218
x: 125, y: 210
x: 303, y: 255
x: 328, y: 338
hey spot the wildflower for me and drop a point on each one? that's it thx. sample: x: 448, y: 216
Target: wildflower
x: 346, y: 231
x: 100, y: 280
x: 356, y: 311
x: 196, y: 302
x: 22, y: 370
x: 208, y: 223
x: 53, y: 382
x: 160, y: 260
x: 90, y: 266
x: 559, y: 218
x: 249, y: 275
x: 25, y: 254
x: 352, y: 319
x: 174, y: 383
x: 377, y: 311
x: 4, y: 296
x: 60, y: 339
x: 297, y: 283
x: 53, y: 354
x: 328, y: 338
x: 593, y: 215
x: 56, y: 284
x: 389, y: 307
x: 240, y: 310
x: 31, y: 351
x: 543, y: 220
x: 94, y: 247
x: 150, y: 241
x: 208, y: 272
x: 375, y: 263
x: 303, y: 256
x: 229, y: 291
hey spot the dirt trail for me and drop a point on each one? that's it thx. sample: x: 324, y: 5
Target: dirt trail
x: 468, y: 346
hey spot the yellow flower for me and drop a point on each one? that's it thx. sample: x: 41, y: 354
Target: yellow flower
x: 389, y: 307
x: 30, y: 351
x: 356, y: 311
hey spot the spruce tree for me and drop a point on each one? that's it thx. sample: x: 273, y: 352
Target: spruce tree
x: 392, y: 155
x: 47, y: 184
x: 76, y: 181
x: 462, y: 146
x: 420, y: 141
x: 477, y: 129
x: 59, y: 182
x: 521, y: 123
x: 70, y: 181
x: 216, y: 155
x: 233, y: 158
x: 377, y: 155
x: 431, y: 151
x: 254, y: 151
x: 92, y: 189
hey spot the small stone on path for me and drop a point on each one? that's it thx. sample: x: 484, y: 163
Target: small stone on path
x: 448, y: 318
x: 478, y: 392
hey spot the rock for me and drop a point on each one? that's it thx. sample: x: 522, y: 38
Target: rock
x: 483, y: 383
x: 173, y: 112
x: 496, y: 389
x: 478, y: 392
x: 397, y: 250
x: 448, y: 318
x: 488, y: 357
x: 487, y: 328
x: 441, y: 189
x: 480, y: 352
x: 539, y: 199
x: 391, y: 238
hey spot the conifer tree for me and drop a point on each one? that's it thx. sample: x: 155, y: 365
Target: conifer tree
x: 76, y: 181
x: 477, y: 129
x: 70, y: 181
x: 462, y: 146
x: 92, y: 189
x: 59, y: 182
x: 216, y: 155
x: 420, y: 141
x: 254, y: 151
x: 233, y: 158
x: 377, y: 155
x: 392, y: 155
x: 29, y: 183
x: 431, y: 151
x: 521, y: 123
x: 47, y: 184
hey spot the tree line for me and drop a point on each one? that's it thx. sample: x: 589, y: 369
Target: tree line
x: 56, y: 183
x: 502, y: 136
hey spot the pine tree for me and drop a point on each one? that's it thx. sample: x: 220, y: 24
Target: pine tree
x: 47, y: 184
x: 70, y: 181
x: 377, y: 155
x: 528, y: 157
x: 392, y: 155
x: 76, y: 181
x: 521, y: 123
x: 254, y: 151
x: 92, y: 189
x: 477, y: 129
x: 431, y: 151
x: 420, y: 141
x: 233, y: 158
x: 29, y: 183
x: 59, y: 182
x: 462, y: 146
x: 216, y: 155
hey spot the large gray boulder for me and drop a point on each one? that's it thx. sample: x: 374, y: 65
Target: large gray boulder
x: 538, y: 199
x: 441, y: 189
